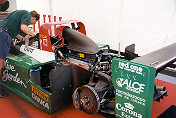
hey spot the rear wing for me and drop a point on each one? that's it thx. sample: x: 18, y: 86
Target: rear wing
x: 159, y: 59
x: 134, y: 81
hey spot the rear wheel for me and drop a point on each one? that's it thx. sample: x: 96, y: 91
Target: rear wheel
x: 85, y: 98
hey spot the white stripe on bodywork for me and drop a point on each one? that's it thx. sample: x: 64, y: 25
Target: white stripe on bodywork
x: 40, y: 55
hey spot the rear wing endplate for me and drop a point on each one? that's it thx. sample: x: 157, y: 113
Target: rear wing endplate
x: 134, y: 81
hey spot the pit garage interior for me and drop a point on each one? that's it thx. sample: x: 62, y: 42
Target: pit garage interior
x: 149, y: 26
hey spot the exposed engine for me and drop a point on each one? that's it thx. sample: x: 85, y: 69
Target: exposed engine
x: 96, y: 92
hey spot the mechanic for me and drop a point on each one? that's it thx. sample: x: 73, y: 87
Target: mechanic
x: 4, y: 5
x: 11, y: 27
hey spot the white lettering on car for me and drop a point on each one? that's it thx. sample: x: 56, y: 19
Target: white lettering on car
x: 131, y: 86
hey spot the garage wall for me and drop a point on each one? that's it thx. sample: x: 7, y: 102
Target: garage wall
x: 150, y: 24
x: 12, y: 5
x: 101, y: 17
x: 41, y: 6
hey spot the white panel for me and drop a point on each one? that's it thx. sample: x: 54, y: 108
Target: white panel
x: 40, y: 55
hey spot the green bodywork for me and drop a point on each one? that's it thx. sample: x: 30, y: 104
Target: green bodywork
x: 103, y: 46
x: 134, y: 88
x: 16, y: 77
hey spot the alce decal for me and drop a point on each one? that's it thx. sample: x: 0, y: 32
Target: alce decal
x: 10, y: 77
x: 130, y: 85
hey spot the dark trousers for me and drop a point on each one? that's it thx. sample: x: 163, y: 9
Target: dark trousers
x: 2, y: 90
x: 5, y: 41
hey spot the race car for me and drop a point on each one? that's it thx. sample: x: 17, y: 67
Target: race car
x: 62, y: 66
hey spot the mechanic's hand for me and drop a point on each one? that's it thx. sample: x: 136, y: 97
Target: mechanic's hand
x: 26, y: 38
x: 35, y: 33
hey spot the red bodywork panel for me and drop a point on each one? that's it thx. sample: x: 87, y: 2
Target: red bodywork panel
x: 55, y: 29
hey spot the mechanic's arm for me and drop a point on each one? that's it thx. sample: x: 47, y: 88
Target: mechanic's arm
x: 26, y: 38
x: 19, y: 37
x: 26, y: 30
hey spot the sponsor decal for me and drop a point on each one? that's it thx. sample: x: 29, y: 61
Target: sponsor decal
x: 43, y: 36
x: 9, y: 66
x: 7, y: 76
x: 81, y: 55
x: 45, y: 42
x: 130, y: 85
x: 131, y: 97
x: 40, y: 55
x: 40, y: 101
x: 131, y: 68
x: 127, y: 111
x: 28, y: 49
x: 41, y: 97
x: 40, y: 93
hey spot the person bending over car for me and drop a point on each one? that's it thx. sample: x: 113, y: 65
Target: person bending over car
x: 11, y: 27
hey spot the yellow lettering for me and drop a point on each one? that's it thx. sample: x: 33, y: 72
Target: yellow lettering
x: 40, y: 93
